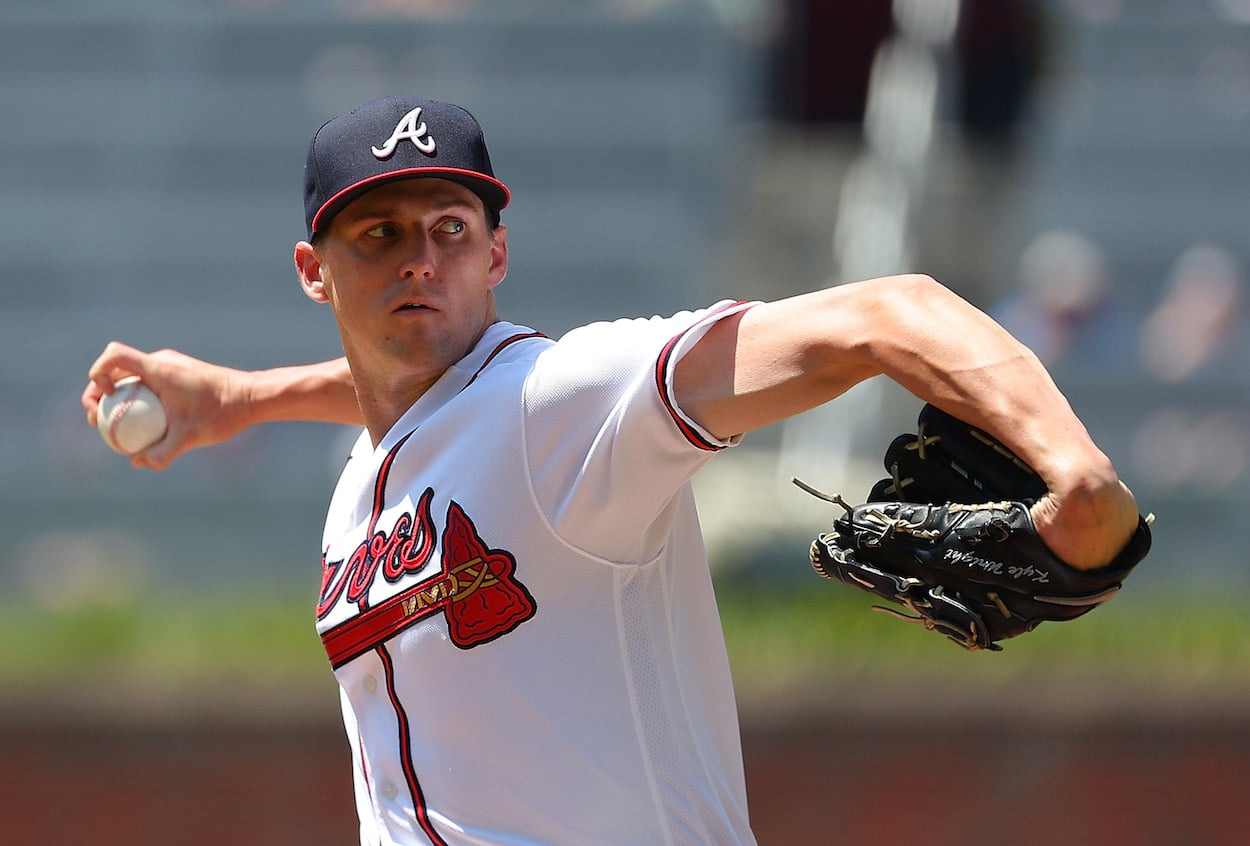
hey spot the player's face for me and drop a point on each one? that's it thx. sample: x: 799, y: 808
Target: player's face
x: 410, y: 269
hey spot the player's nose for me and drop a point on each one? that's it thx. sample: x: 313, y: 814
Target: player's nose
x: 418, y: 259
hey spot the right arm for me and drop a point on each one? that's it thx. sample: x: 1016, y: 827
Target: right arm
x: 208, y: 404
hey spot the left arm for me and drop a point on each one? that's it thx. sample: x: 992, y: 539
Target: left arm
x: 208, y: 404
x: 782, y: 358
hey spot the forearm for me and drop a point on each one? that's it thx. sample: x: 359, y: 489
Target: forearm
x: 322, y: 392
x: 940, y: 348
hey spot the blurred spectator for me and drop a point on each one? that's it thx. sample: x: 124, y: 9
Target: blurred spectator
x: 823, y: 58
x: 1001, y: 47
x: 1199, y: 317
x: 824, y: 55
x: 1062, y: 309
x: 1178, y: 449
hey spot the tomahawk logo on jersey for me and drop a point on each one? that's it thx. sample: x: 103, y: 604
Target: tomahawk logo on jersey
x: 473, y: 586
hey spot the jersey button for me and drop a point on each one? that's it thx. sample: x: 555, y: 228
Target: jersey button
x: 371, y: 684
x: 389, y: 790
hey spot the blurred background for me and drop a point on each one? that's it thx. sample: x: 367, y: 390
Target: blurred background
x: 1078, y: 168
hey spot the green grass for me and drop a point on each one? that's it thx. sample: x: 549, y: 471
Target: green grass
x: 776, y: 638
x: 175, y: 639
x: 832, y: 634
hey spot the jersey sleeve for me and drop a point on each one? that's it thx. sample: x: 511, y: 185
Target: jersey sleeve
x: 608, y: 445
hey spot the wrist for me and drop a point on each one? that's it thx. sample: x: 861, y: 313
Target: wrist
x: 1089, y: 475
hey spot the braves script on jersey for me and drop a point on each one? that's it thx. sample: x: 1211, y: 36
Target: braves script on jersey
x: 516, y: 603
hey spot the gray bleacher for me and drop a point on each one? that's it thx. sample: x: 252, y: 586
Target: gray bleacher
x: 1141, y: 142
x: 150, y: 174
x: 1141, y: 138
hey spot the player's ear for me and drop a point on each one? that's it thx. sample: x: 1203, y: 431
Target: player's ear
x: 308, y: 266
x: 498, y: 256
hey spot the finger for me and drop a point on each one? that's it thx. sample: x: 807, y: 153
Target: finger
x: 117, y: 360
x: 91, y: 402
x: 151, y: 459
x: 162, y: 454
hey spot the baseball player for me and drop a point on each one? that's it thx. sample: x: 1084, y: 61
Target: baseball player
x: 515, y: 598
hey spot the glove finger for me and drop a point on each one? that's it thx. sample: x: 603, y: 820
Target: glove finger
x: 979, y: 467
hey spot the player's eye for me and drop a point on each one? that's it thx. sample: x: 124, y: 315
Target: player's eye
x: 382, y: 230
x: 451, y: 226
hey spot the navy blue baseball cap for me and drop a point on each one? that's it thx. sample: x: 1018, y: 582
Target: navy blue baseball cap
x: 395, y: 138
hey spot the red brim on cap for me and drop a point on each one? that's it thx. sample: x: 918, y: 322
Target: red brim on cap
x: 494, y: 194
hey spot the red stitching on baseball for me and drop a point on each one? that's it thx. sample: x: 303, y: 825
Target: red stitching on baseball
x: 119, y: 411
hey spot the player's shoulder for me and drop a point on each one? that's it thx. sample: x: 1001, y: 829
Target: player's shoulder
x: 614, y: 351
x: 644, y: 331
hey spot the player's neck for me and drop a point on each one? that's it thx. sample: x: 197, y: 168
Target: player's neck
x: 387, y: 386
x: 383, y: 402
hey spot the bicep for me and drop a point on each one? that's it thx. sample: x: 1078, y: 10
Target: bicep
x: 773, y: 361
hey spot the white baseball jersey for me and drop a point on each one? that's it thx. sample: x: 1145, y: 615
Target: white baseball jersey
x: 517, y: 605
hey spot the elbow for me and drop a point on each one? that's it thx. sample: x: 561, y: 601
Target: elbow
x: 892, y: 307
x: 902, y: 299
x: 909, y: 302
x: 916, y: 288
x: 903, y: 318
x: 864, y: 329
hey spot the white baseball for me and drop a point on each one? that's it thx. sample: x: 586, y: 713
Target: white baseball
x: 131, y: 419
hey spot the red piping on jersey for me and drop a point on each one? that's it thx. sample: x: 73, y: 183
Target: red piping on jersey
x: 507, y: 342
x: 332, y: 585
x: 421, y: 811
x: 379, y: 487
x: 661, y: 383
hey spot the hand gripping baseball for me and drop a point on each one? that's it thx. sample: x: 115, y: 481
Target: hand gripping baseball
x: 949, y: 538
x: 203, y: 403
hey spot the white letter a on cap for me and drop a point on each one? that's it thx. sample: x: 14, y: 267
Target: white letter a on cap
x: 407, y: 128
